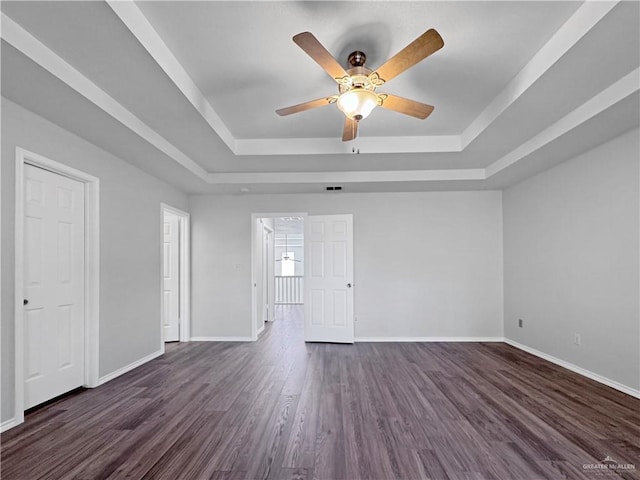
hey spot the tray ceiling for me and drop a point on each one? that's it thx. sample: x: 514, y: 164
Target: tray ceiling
x: 195, y: 85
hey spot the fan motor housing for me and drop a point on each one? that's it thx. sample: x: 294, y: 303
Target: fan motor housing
x: 359, y: 79
x: 358, y: 74
x: 357, y: 58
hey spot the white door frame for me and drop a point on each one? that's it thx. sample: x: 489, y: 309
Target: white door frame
x: 270, y: 274
x: 91, y: 270
x: 255, y: 268
x: 184, y: 325
x: 264, y: 271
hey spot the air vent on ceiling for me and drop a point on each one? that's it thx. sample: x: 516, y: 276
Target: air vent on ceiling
x: 333, y: 188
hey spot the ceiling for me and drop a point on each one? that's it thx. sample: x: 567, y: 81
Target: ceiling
x: 188, y: 90
x: 293, y: 227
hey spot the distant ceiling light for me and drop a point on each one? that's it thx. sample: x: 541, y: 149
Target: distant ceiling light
x: 244, y: 189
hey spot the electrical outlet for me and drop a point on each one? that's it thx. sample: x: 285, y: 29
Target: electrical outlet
x: 576, y: 339
x: 520, y: 322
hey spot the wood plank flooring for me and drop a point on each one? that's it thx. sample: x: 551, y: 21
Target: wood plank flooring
x: 282, y: 409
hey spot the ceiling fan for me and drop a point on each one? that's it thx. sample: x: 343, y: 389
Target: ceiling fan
x: 357, y: 85
x: 286, y: 252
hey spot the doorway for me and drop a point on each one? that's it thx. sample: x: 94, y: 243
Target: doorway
x: 289, y: 268
x: 322, y: 292
x: 56, y: 280
x: 175, y: 288
x: 267, y: 248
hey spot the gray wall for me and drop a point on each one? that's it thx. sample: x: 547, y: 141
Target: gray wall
x: 571, y: 241
x: 426, y: 264
x: 129, y: 241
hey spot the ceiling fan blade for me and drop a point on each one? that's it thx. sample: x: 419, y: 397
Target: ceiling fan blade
x: 301, y: 107
x: 423, y: 46
x: 350, y: 130
x: 404, y: 105
x: 310, y: 44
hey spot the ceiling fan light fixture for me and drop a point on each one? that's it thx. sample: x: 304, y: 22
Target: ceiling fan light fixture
x: 357, y: 103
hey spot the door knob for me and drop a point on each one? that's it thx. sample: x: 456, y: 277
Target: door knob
x: 348, y: 285
x: 25, y: 301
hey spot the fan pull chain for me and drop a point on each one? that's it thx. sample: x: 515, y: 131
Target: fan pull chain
x: 353, y: 135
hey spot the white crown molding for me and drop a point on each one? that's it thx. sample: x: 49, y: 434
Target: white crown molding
x: 26, y: 43
x: 315, y: 146
x: 588, y: 15
x: 611, y: 95
x: 568, y: 35
x: 139, y: 26
x: 348, y: 177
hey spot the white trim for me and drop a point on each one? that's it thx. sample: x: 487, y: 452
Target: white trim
x: 92, y: 270
x: 269, y: 275
x: 347, y: 177
x: 566, y: 37
x: 7, y: 424
x: 222, y: 339
x: 128, y: 368
x: 140, y: 27
x: 328, y: 145
x: 618, y: 91
x: 260, y: 330
x: 574, y: 368
x: 428, y: 339
x: 43, y: 56
x: 185, y: 272
x: 572, y: 31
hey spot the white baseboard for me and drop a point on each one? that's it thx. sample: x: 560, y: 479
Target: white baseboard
x: 260, y: 330
x: 221, y: 339
x: 7, y: 424
x: 429, y: 339
x: 128, y: 368
x: 574, y: 368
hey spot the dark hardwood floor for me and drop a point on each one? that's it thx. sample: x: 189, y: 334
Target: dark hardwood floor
x: 282, y: 409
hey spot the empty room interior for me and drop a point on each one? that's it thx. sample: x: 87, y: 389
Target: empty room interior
x: 320, y: 240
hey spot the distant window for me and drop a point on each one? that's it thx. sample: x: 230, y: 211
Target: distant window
x: 288, y: 264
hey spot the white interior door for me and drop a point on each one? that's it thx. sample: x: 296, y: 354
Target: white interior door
x: 53, y: 285
x: 171, y: 278
x: 328, y: 279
